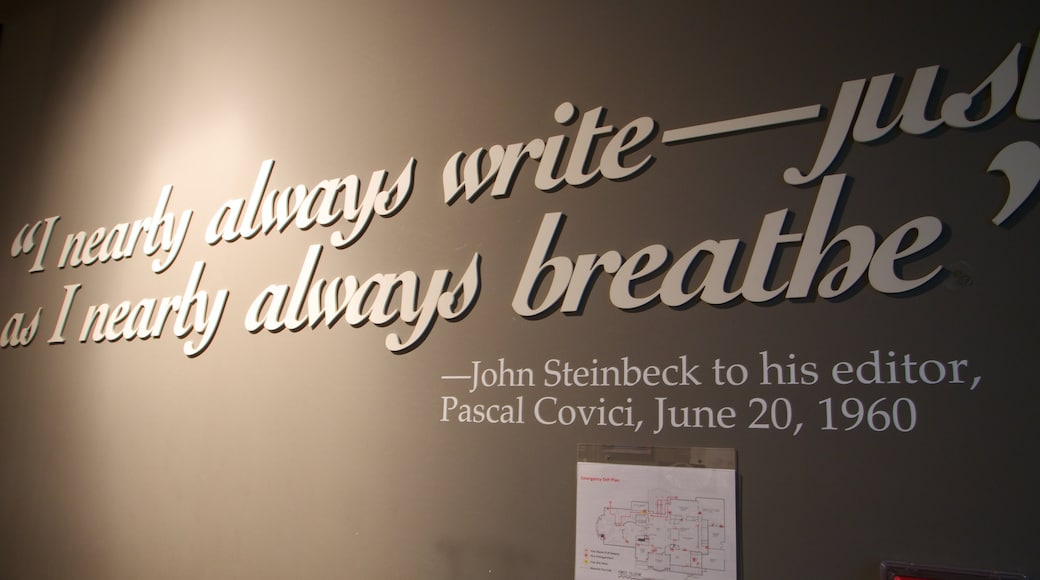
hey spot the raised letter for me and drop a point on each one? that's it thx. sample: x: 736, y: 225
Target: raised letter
x: 837, y: 131
x: 559, y: 269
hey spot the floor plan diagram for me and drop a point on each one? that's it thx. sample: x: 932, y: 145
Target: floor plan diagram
x: 669, y: 533
x: 638, y: 522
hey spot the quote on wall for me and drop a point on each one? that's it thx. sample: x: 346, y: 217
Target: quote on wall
x: 588, y: 149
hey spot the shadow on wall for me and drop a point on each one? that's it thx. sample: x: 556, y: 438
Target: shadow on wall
x: 471, y: 559
x: 42, y: 44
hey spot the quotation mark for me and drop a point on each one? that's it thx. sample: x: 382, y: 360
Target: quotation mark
x: 1020, y: 164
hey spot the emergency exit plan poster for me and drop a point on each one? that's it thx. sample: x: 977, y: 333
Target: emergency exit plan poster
x: 655, y: 522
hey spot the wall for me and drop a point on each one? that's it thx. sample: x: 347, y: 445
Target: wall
x: 321, y: 453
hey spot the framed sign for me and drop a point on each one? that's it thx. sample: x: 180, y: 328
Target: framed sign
x: 666, y: 513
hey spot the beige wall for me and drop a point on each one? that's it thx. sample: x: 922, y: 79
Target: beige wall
x: 320, y: 454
